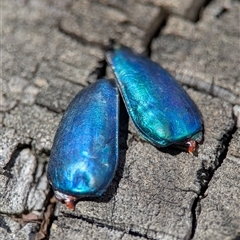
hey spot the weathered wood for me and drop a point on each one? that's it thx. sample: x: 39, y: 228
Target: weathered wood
x: 220, y: 215
x: 96, y: 22
x: 52, y: 49
x: 204, y: 55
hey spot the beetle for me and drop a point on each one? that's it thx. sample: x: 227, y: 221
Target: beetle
x: 84, y: 154
x: 161, y: 110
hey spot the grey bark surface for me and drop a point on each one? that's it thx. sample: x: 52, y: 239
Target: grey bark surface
x: 52, y: 49
x: 220, y: 215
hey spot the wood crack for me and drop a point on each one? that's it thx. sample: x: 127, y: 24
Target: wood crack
x: 205, y: 176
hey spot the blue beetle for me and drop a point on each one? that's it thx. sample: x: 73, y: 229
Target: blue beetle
x: 84, y: 154
x: 161, y: 110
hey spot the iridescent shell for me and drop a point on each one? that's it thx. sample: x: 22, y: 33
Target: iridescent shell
x: 161, y: 110
x: 84, y: 155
